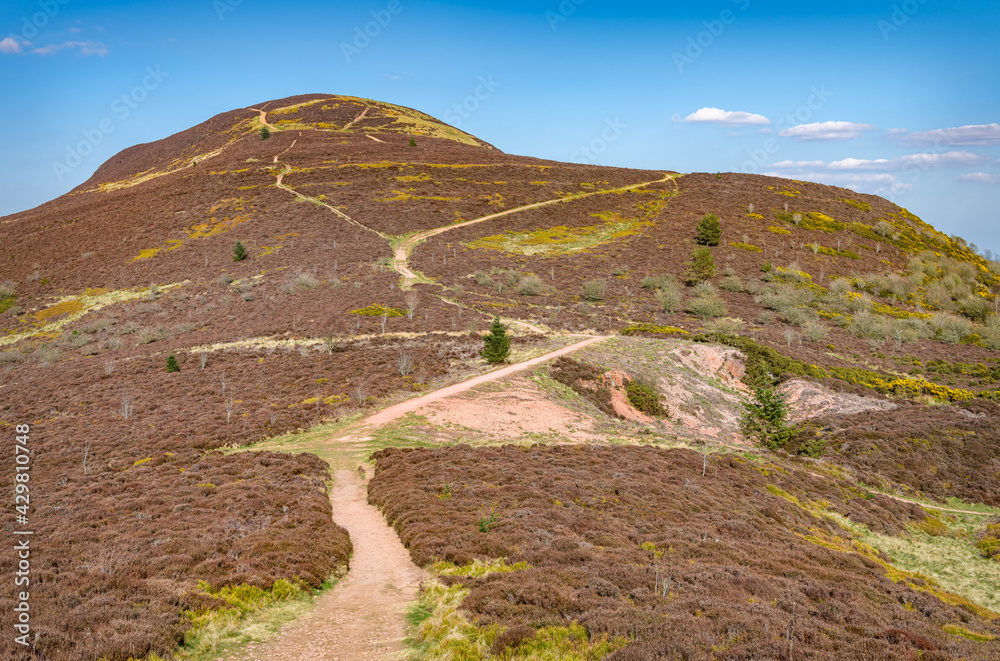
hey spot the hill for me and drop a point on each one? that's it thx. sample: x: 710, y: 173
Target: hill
x: 380, y: 242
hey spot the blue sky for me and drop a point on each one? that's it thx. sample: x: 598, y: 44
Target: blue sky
x: 897, y: 98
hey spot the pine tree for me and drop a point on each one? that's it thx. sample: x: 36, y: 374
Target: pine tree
x: 709, y: 230
x: 265, y: 133
x: 496, y: 345
x: 172, y: 365
x: 701, y: 267
x: 239, y: 252
x: 413, y: 142
x: 763, y: 420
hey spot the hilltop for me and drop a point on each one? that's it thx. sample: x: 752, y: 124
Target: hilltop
x: 380, y: 244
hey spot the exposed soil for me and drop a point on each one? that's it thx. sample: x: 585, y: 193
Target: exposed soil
x: 360, y: 618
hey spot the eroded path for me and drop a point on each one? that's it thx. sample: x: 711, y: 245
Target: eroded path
x: 363, y: 616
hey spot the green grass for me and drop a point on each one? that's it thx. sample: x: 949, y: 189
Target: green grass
x: 254, y: 616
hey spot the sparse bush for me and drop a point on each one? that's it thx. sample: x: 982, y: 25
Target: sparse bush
x: 657, y: 281
x: 869, y: 326
x: 248, y: 296
x: 306, y: 280
x: 708, y: 305
x: 815, y: 331
x: 496, y: 345
x: 704, y: 289
x: 531, y: 285
x: 701, y: 267
x: 49, y: 354
x: 974, y: 307
x: 483, y: 279
x: 732, y: 284
x: 669, y: 297
x: 799, y: 316
x: 225, y: 279
x: 593, y: 290
x: 708, y: 231
x: 883, y: 229
x: 149, y: 334
x: 949, y: 328
x: 239, y: 252
x: 725, y: 326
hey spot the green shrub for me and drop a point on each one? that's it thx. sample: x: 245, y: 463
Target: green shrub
x: 496, y: 345
x: 975, y: 308
x: 708, y: 231
x: 701, y: 267
x: 642, y: 394
x: 988, y: 539
x: 949, y: 328
x: 239, y: 252
x: 265, y: 133
x: 657, y: 281
x: 172, y: 365
x: 413, y: 142
x: 732, y: 284
x: 763, y: 419
x: 593, y: 290
x: 707, y: 305
x: 531, y: 285
x: 815, y: 331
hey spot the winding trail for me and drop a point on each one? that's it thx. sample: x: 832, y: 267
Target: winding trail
x: 363, y: 616
x: 405, y: 248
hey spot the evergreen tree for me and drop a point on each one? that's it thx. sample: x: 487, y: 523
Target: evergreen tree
x: 496, y: 345
x: 709, y: 230
x: 413, y: 142
x: 763, y: 419
x: 239, y: 252
x: 172, y: 365
x: 265, y: 133
x: 701, y: 267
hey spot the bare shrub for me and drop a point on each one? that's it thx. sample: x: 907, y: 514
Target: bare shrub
x: 49, y: 354
x: 307, y: 280
x: 882, y: 228
x: 149, y: 334
x: 708, y: 305
x: 732, y: 283
x: 412, y: 299
x: 404, y: 363
x: 725, y: 326
x: 225, y: 279
x: 531, y: 285
x: 815, y: 331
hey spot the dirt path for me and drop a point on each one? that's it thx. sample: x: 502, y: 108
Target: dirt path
x: 356, y: 119
x: 410, y: 405
x: 361, y: 618
x: 405, y: 248
x: 263, y: 119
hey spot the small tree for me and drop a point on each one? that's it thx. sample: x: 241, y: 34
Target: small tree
x: 701, y: 267
x: 265, y: 133
x: 172, y: 365
x: 239, y: 252
x: 763, y: 419
x: 709, y: 231
x: 496, y: 345
x: 413, y: 142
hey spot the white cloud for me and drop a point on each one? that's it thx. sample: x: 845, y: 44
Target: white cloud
x: 922, y: 161
x: 827, y: 131
x: 86, y: 48
x: 877, y: 184
x: 979, y: 178
x: 965, y: 136
x: 726, y: 117
x: 10, y: 45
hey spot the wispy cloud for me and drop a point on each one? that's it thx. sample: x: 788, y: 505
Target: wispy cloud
x: 922, y: 161
x: 85, y: 48
x: 979, y: 178
x: 974, y: 135
x: 827, y: 131
x: 878, y: 184
x: 726, y: 117
x: 10, y: 46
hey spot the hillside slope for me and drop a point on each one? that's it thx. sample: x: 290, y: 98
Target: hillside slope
x: 380, y: 243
